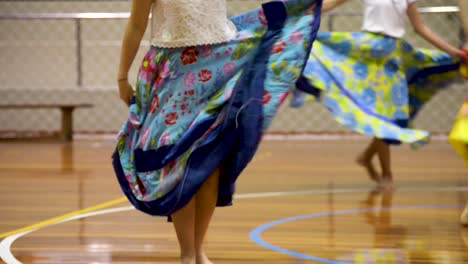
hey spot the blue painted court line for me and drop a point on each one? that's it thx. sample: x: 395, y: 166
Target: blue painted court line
x: 255, y: 235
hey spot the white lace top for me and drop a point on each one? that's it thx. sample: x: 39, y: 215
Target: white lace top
x: 182, y: 23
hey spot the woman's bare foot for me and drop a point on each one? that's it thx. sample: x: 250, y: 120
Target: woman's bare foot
x: 386, y: 183
x: 203, y: 259
x: 367, y: 164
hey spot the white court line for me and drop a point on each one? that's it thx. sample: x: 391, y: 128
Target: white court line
x: 5, y: 245
x: 349, y: 190
x: 271, y: 137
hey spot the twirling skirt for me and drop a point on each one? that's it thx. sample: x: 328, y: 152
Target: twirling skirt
x: 458, y: 137
x: 374, y: 84
x: 201, y: 108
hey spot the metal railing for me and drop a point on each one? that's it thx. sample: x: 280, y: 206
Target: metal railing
x: 78, y: 17
x: 422, y: 10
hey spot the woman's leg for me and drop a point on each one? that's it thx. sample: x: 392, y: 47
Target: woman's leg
x: 383, y: 152
x: 205, y: 205
x: 192, y: 221
x: 365, y: 160
x: 184, y: 224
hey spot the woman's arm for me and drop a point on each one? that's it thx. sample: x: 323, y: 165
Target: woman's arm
x: 134, y: 32
x: 330, y: 4
x: 425, y: 32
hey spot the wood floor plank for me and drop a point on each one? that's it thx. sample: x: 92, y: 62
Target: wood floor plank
x: 348, y: 219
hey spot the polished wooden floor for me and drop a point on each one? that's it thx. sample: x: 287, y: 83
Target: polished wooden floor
x: 330, y: 212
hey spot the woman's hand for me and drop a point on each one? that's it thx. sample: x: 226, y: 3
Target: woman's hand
x: 464, y: 56
x: 125, y: 91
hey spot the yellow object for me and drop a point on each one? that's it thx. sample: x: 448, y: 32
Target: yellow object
x: 464, y: 70
x: 61, y: 218
x: 459, y: 135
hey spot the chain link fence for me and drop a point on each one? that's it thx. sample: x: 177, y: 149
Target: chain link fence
x: 46, y: 60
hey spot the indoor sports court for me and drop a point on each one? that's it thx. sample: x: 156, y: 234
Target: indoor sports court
x: 302, y: 199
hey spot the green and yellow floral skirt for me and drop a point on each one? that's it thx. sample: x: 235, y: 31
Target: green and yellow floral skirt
x: 374, y: 84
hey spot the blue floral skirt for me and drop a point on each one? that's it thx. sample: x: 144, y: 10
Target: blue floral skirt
x: 374, y: 84
x: 201, y: 108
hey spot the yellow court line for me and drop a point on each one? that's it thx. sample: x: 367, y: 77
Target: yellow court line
x: 63, y: 217
x: 72, y: 214
x: 32, y: 166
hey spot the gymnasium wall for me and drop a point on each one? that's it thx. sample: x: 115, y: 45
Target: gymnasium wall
x: 39, y: 60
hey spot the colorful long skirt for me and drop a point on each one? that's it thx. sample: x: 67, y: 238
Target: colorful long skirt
x: 458, y: 137
x: 374, y: 84
x: 201, y: 108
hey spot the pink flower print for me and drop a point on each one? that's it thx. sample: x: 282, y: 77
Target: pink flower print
x: 229, y: 68
x: 171, y: 119
x: 154, y: 104
x: 262, y: 18
x: 130, y: 144
x: 189, y: 56
x: 146, y: 72
x: 191, y: 92
x: 279, y: 47
x: 183, y: 106
x: 144, y: 137
x: 283, y: 97
x: 164, y: 139
x: 151, y: 54
x: 141, y: 186
x: 167, y: 169
x: 296, y: 37
x: 128, y: 176
x: 189, y: 79
x: 218, y: 55
x: 136, y: 185
x: 266, y: 97
x: 206, y: 51
x: 161, y: 75
x: 204, y: 75
x: 135, y: 121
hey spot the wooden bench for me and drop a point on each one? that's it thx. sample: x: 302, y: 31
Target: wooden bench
x: 66, y: 109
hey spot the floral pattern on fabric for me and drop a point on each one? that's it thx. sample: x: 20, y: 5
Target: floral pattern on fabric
x: 370, y: 82
x: 178, y: 90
